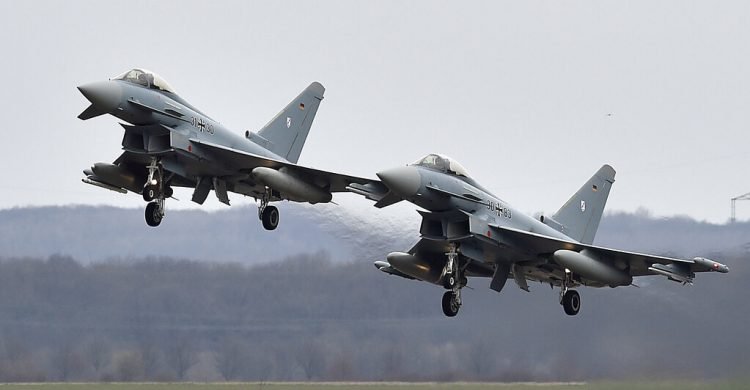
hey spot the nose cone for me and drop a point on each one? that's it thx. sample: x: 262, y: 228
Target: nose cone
x: 403, y: 181
x: 105, y: 96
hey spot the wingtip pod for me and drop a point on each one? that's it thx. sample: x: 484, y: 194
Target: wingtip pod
x: 711, y: 265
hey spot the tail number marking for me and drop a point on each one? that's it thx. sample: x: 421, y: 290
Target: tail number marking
x: 202, y: 125
x: 499, y: 209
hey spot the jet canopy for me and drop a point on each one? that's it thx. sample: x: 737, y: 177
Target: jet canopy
x: 443, y: 164
x: 145, y: 78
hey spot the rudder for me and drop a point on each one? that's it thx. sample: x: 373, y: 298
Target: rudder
x: 581, y: 214
x: 287, y: 132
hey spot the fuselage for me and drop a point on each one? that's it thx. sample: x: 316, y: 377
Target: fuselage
x: 143, y: 106
x: 440, y: 189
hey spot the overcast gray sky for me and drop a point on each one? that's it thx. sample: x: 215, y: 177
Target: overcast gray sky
x: 519, y: 92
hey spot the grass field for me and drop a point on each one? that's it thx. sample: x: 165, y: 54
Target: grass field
x: 380, y: 386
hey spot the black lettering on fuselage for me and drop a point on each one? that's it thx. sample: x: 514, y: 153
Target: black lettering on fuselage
x: 202, y: 125
x: 499, y: 209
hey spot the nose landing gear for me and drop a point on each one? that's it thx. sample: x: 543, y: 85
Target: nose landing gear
x: 453, y: 281
x: 155, y: 192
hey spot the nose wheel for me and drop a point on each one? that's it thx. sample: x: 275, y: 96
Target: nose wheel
x: 154, y: 213
x: 150, y: 192
x: 451, y: 303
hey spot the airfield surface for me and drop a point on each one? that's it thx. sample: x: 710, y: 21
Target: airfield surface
x: 380, y: 386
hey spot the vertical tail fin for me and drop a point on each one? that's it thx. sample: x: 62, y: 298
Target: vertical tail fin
x: 287, y: 131
x: 581, y: 214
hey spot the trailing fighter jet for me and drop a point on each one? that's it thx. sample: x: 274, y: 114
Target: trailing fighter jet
x: 169, y: 143
x: 469, y: 232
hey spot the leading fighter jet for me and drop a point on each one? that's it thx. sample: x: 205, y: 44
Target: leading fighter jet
x: 169, y: 143
x: 467, y: 231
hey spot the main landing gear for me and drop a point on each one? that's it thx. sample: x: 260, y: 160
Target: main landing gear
x: 155, y: 192
x: 453, y: 281
x: 268, y: 214
x: 569, y: 299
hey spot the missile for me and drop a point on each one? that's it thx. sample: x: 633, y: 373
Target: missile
x: 680, y: 274
x: 591, y: 268
x: 290, y: 186
x: 92, y: 180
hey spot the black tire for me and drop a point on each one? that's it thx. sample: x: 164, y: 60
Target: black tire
x: 450, y: 281
x: 150, y: 192
x: 168, y: 192
x: 153, y: 214
x: 450, y: 304
x: 571, y: 302
x: 270, y: 218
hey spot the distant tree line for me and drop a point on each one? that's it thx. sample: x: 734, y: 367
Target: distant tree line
x: 307, y: 318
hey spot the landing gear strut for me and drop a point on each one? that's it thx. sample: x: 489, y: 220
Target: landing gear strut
x: 452, y: 280
x: 268, y: 214
x: 569, y: 299
x: 155, y: 193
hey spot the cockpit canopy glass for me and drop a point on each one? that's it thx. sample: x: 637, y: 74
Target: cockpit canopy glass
x: 145, y: 78
x: 443, y: 164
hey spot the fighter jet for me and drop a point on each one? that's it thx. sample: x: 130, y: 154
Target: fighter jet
x: 467, y: 231
x: 169, y: 143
